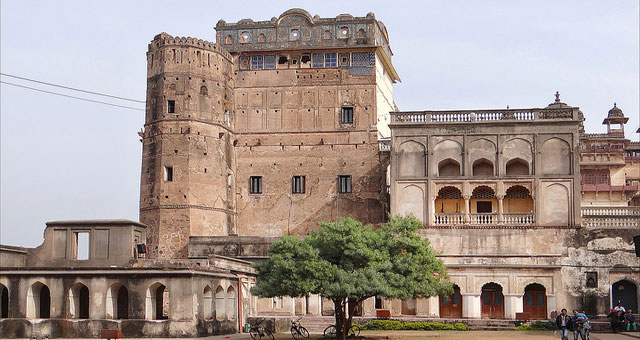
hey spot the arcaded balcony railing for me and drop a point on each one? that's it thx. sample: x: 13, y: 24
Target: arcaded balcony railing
x: 480, y: 219
x: 611, y: 217
x: 426, y: 117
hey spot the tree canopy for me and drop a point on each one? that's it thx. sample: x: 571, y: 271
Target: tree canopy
x: 349, y: 262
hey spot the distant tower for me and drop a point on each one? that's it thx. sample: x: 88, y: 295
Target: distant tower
x: 617, y: 118
x: 187, y: 181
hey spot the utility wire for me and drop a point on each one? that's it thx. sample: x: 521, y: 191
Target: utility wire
x: 74, y: 97
x: 72, y: 88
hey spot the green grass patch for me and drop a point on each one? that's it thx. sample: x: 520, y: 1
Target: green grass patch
x: 389, y: 325
x: 537, y: 326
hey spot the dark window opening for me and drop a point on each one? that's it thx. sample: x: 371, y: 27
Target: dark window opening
x: 83, y: 310
x: 168, y: 174
x: 592, y: 280
x: 347, y: 115
x: 255, y: 184
x: 282, y: 60
x: 4, y: 301
x: 378, y: 304
x: 344, y: 184
x: 45, y: 303
x: 298, y: 185
x: 171, y: 106
x: 305, y: 58
x: 484, y: 207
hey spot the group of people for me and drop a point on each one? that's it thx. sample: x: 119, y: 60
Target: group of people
x: 622, y: 319
x: 578, y: 324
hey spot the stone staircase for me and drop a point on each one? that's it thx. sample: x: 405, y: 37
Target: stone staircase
x: 316, y: 324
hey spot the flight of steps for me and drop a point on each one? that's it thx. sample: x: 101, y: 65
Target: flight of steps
x: 490, y: 325
x: 317, y: 324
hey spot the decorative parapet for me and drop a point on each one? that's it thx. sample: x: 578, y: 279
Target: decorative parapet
x: 384, y: 145
x: 611, y: 217
x: 464, y: 116
x: 164, y: 39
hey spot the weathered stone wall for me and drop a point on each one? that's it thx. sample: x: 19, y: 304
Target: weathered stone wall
x: 188, y: 159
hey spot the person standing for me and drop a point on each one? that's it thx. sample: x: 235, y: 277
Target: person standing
x: 578, y: 325
x: 563, y: 322
x: 620, y: 308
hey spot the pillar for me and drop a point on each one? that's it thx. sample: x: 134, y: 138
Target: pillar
x: 467, y: 218
x: 314, y: 305
x: 471, y: 307
x: 434, y: 306
x: 552, y: 305
x: 513, y: 303
x: 500, y: 209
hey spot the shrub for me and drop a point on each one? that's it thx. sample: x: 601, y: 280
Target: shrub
x: 412, y: 325
x: 537, y: 326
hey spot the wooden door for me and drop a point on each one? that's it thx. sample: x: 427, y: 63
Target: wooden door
x: 535, y: 303
x: 492, y: 302
x: 451, y: 305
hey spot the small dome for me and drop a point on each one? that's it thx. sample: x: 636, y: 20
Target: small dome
x: 615, y: 112
x: 557, y: 103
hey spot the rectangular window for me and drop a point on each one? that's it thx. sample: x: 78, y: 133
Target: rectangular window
x: 378, y: 303
x: 297, y: 185
x: 168, y: 174
x: 256, y: 62
x: 269, y: 62
x: 82, y: 245
x: 255, y: 184
x: 317, y: 60
x: 592, y: 279
x: 347, y: 115
x: 344, y: 184
x: 171, y: 106
x: 330, y: 60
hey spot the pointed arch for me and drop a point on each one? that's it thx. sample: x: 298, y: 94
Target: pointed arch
x: 38, y: 301
x: 78, y: 297
x: 219, y: 303
x: 207, y: 303
x: 117, y: 306
x: 230, y: 303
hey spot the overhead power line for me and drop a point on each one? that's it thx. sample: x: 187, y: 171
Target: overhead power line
x: 74, y: 97
x: 72, y: 88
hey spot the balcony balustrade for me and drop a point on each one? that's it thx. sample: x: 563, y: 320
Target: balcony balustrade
x: 427, y: 117
x: 611, y: 217
x: 483, y: 219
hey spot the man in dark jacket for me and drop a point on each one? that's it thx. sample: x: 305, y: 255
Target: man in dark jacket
x: 563, y: 322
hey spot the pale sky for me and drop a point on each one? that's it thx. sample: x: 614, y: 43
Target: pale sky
x: 66, y: 159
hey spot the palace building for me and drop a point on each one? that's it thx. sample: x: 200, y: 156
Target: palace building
x: 286, y: 122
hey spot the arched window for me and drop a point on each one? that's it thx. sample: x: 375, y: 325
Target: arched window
x: 262, y: 38
x: 448, y: 167
x: 343, y: 32
x: 157, y: 302
x: 79, y: 301
x: 327, y: 34
x: 117, y: 302
x: 517, y: 167
x: 38, y: 301
x: 4, y: 302
x: 203, y: 90
x: 482, y: 167
x: 207, y: 305
x: 361, y: 33
x: 220, y: 309
x: 228, y: 40
x: 231, y: 303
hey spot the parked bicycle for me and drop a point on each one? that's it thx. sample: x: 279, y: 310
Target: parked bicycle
x: 258, y: 330
x: 331, y: 331
x: 297, y: 330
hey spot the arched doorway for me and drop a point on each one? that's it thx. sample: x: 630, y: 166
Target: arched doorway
x: 626, y: 293
x: 535, y: 301
x: 38, y: 301
x: 79, y: 301
x: 4, y: 302
x: 492, y: 301
x: 451, y: 305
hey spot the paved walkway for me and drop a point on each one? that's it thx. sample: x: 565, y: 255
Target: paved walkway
x: 615, y: 336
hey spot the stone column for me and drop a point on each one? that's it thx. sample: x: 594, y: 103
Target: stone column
x: 314, y: 305
x: 552, y: 304
x: 513, y: 303
x: 471, y: 307
x: 434, y: 306
x: 467, y: 218
x: 500, y: 209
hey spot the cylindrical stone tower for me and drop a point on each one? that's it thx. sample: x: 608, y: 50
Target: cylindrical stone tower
x: 187, y: 183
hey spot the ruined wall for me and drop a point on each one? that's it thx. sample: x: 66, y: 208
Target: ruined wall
x: 188, y: 159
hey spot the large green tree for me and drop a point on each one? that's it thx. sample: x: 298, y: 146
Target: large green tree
x: 349, y: 262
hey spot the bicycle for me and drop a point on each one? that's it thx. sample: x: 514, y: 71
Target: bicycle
x: 331, y: 331
x: 297, y: 330
x: 258, y: 330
